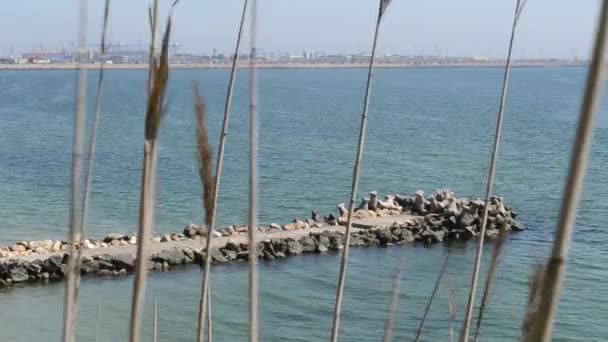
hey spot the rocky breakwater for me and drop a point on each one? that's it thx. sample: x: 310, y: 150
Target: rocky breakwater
x: 417, y: 219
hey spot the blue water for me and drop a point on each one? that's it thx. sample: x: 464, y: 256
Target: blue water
x: 428, y: 128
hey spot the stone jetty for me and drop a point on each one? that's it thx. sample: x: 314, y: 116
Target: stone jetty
x: 392, y: 220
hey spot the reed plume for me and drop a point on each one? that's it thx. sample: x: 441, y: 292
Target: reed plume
x: 496, y: 252
x: 335, y: 330
x: 464, y: 334
x: 203, y: 153
x: 427, y: 309
x: 205, y: 298
x: 155, y: 108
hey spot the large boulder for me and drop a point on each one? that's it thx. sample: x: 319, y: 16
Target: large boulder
x: 18, y: 275
x: 124, y: 261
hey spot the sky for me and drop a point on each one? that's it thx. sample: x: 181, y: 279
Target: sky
x: 479, y: 28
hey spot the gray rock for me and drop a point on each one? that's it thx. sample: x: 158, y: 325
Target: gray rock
x: 18, y: 275
x: 112, y: 236
x: 293, y: 246
x: 124, y: 261
x: 172, y: 257
x: 316, y: 216
x: 89, y: 267
x: 309, y: 244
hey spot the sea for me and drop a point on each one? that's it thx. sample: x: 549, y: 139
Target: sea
x: 429, y: 128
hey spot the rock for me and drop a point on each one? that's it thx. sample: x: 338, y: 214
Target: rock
x: 241, y: 229
x: 165, y: 238
x: 191, y: 230
x: 420, y: 203
x: 275, y: 226
x: 156, y: 239
x: 290, y: 226
x: 342, y: 209
x: 373, y: 200
x: 174, y: 237
x: 18, y: 275
x: 316, y: 216
x: 104, y: 273
x: 309, y: 244
x: 18, y: 248
x: 40, y: 250
x: 111, y: 237
x: 88, y: 244
x: 322, y: 243
x: 364, y: 205
x: 172, y: 257
x: 189, y: 253
x: 122, y: 272
x: 53, y: 265
x: 33, y: 269
x: 293, y: 247
x: 124, y: 261
x: 133, y: 240
x: 89, y: 267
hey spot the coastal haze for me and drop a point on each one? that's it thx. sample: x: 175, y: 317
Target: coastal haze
x: 429, y: 128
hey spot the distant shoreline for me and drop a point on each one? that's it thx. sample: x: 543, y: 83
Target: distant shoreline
x: 72, y: 66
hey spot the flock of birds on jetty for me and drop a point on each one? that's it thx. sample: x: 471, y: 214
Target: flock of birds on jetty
x: 439, y: 217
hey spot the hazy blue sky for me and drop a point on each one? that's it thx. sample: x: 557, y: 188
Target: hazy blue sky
x: 549, y: 28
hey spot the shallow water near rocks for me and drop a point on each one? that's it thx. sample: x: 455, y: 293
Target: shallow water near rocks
x: 428, y: 128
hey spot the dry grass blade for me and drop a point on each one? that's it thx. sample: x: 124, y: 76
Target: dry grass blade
x: 466, y: 326
x: 498, y: 247
x: 543, y: 326
x: 430, y: 303
x: 392, y: 309
x: 70, y: 310
x: 154, y: 114
x: 203, y: 153
x: 335, y: 330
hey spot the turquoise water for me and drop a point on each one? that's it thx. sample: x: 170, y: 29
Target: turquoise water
x: 428, y: 128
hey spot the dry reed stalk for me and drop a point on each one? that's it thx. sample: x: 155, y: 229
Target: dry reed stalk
x: 93, y: 134
x: 464, y: 336
x: 542, y: 329
x: 427, y: 309
x: 253, y: 203
x: 335, y: 331
x: 496, y: 252
x: 206, y: 177
x: 392, y: 309
x: 154, y: 113
x: 70, y: 310
x: 205, y: 293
